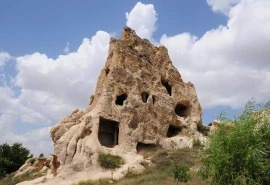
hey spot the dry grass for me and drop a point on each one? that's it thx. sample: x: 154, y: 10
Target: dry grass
x: 160, y: 172
x: 8, y: 180
x: 26, y: 177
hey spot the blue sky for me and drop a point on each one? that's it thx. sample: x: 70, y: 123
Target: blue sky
x: 46, y: 26
x: 51, y: 53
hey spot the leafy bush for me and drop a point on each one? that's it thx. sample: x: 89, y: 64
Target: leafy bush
x: 12, y: 158
x: 180, y: 173
x: 239, y: 151
x: 110, y: 161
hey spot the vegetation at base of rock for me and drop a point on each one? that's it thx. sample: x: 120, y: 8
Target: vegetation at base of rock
x: 98, y: 182
x: 180, y: 173
x: 9, y: 180
x: 110, y: 161
x: 197, y: 143
x: 159, y: 171
x: 12, y: 158
x: 239, y: 151
x: 88, y: 182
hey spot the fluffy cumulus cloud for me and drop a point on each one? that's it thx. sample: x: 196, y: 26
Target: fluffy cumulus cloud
x: 3, y: 58
x: 64, y: 83
x: 47, y: 89
x: 230, y: 64
x: 222, y: 6
x: 142, y: 19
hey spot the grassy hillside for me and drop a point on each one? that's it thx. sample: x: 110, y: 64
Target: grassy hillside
x: 160, y: 171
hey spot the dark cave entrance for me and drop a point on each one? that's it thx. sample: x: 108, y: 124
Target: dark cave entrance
x: 182, y: 109
x: 145, y: 96
x: 120, y: 99
x: 108, y: 132
x: 173, y: 131
x: 107, y: 70
x: 167, y: 86
x: 145, y: 147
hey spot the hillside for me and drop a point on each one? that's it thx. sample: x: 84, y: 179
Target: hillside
x: 158, y: 170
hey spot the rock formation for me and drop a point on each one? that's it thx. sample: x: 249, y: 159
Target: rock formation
x: 39, y: 165
x: 53, y: 164
x: 140, y: 101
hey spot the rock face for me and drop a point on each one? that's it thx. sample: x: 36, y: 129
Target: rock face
x: 140, y: 101
x: 40, y: 166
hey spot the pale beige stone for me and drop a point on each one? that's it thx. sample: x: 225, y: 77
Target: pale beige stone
x: 38, y: 165
x: 140, y: 101
x: 214, y: 125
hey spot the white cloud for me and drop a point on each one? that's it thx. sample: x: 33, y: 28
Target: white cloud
x: 229, y: 65
x: 222, y: 6
x: 64, y: 83
x: 36, y: 140
x: 49, y: 90
x: 3, y: 58
x: 142, y: 19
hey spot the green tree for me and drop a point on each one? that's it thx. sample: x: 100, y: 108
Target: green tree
x: 12, y: 158
x: 239, y: 151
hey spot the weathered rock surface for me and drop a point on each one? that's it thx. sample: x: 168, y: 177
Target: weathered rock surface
x: 39, y: 165
x: 140, y: 100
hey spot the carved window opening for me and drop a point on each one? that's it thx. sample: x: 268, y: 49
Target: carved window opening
x: 173, y: 131
x: 154, y: 99
x: 145, y: 147
x: 120, y: 99
x: 145, y: 96
x: 108, y: 132
x: 107, y: 70
x: 167, y: 86
x: 182, y: 109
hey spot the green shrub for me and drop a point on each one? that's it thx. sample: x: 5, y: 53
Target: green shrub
x: 239, y: 151
x: 12, y: 158
x: 180, y: 173
x: 110, y: 161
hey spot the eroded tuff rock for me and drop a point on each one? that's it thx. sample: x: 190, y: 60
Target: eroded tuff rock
x: 38, y: 165
x: 140, y: 100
